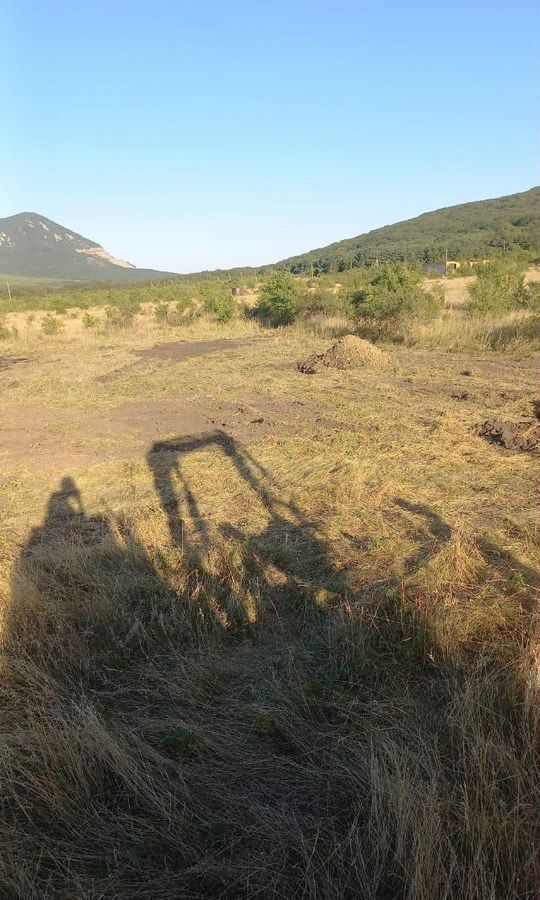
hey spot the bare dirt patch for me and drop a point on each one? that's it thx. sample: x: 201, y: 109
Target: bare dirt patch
x: 187, y: 349
x: 516, y: 436
x: 350, y: 352
x: 176, y: 351
x: 53, y: 438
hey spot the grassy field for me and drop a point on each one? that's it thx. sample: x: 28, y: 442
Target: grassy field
x: 268, y: 634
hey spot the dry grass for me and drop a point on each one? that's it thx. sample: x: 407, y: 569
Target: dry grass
x: 455, y: 290
x: 301, y: 664
x: 455, y: 330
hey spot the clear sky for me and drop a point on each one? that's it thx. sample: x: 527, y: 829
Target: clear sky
x: 203, y: 133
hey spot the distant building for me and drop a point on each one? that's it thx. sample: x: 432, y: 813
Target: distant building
x: 452, y: 265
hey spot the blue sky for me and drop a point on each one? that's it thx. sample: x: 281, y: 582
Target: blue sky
x: 190, y: 135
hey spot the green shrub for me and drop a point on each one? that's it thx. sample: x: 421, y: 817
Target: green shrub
x: 51, y: 324
x: 89, y: 321
x: 497, y: 289
x: 161, y: 311
x: 122, y: 316
x: 394, y: 293
x: 328, y: 301
x: 183, y: 312
x: 280, y: 300
x: 224, y: 308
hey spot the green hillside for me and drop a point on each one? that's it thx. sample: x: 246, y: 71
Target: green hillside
x: 470, y: 230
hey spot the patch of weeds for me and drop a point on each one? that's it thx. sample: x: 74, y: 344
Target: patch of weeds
x: 90, y: 321
x: 182, y: 313
x: 161, y: 311
x: 51, y: 324
x: 7, y: 331
x: 122, y: 316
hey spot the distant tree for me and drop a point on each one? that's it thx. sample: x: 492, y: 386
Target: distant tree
x: 395, y: 292
x: 497, y: 288
x: 504, y: 237
x: 280, y: 300
x: 224, y: 308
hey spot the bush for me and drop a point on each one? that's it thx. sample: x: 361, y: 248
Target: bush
x: 182, y: 313
x: 395, y: 293
x: 51, y: 324
x: 89, y: 321
x: 161, y: 311
x: 224, y: 308
x: 497, y: 289
x: 122, y: 316
x: 280, y: 300
x: 5, y: 330
x: 328, y: 301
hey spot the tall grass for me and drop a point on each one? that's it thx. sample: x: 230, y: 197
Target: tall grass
x: 230, y: 715
x: 455, y: 330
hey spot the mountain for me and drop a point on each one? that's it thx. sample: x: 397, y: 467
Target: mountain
x: 33, y: 246
x: 470, y: 230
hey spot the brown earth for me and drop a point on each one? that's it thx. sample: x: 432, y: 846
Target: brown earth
x: 177, y: 351
x: 54, y: 438
x: 350, y: 352
x: 74, y: 425
x: 187, y: 349
x: 517, y: 436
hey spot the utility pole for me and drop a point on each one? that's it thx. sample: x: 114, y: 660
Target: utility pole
x: 8, y: 290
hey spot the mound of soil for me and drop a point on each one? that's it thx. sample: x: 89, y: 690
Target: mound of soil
x: 350, y: 352
x: 522, y: 436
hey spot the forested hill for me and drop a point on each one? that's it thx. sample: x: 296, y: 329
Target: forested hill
x: 470, y: 230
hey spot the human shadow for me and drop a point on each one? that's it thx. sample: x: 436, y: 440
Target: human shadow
x: 65, y: 514
x: 135, y: 737
x: 81, y: 581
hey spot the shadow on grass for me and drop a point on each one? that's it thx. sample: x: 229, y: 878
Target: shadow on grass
x: 184, y: 728
x: 293, y: 544
x: 521, y: 333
